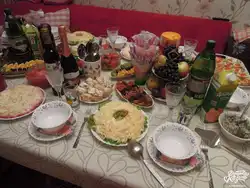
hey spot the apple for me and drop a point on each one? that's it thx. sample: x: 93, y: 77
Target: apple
x: 162, y: 59
x: 183, y: 69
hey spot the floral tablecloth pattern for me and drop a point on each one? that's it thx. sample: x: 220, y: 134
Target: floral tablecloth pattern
x: 93, y: 164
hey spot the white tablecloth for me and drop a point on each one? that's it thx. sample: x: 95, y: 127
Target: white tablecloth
x: 94, y: 165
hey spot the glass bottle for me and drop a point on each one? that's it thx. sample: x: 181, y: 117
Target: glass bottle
x: 200, y: 75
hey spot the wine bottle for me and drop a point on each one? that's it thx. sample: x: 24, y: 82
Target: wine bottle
x: 51, y: 59
x: 68, y: 62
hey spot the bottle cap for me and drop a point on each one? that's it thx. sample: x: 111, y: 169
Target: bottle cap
x: 211, y: 44
x: 231, y: 77
x: 7, y: 11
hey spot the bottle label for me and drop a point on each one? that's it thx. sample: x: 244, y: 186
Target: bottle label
x: 19, y: 43
x: 71, y: 75
x: 6, y: 25
x: 35, y: 43
x: 45, y: 36
x: 196, y: 91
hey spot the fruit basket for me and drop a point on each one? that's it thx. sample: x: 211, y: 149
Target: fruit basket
x: 170, y: 67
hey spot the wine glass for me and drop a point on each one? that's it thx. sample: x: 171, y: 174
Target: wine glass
x: 174, y: 94
x: 113, y: 34
x: 55, y: 79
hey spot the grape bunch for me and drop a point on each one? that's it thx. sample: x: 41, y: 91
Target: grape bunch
x: 169, y: 72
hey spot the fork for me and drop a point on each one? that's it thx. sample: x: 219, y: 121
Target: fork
x: 204, y: 148
x: 87, y: 114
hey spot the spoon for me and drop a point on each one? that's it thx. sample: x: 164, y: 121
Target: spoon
x: 135, y: 149
x: 244, y: 111
x: 212, y: 139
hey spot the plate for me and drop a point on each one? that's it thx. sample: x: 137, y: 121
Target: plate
x: 97, y: 102
x: 156, y: 98
x: 47, y: 138
x: 28, y: 113
x: 200, y: 159
x: 235, y: 61
x: 16, y: 75
x: 124, y: 144
x: 146, y: 107
x: 122, y: 53
x: 121, y: 78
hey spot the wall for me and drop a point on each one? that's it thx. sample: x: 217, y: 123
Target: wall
x: 235, y: 10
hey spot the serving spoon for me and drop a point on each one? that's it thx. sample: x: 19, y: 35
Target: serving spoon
x: 212, y: 139
x: 135, y: 149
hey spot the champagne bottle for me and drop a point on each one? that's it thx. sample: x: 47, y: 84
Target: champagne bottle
x: 68, y: 62
x: 51, y: 58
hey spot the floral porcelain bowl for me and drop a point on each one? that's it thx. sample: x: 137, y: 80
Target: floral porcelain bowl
x: 176, y: 144
x: 52, y: 116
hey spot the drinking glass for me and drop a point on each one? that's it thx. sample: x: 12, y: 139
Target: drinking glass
x: 113, y: 34
x: 189, y: 47
x: 71, y: 95
x: 174, y: 94
x: 55, y: 79
x: 186, y: 113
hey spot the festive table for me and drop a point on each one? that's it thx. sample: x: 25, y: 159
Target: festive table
x: 93, y: 164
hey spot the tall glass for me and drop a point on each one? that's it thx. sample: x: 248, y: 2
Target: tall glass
x: 174, y: 94
x: 186, y: 113
x: 113, y: 34
x: 71, y: 95
x: 189, y: 48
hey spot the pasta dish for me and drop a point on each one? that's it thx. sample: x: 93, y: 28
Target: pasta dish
x: 117, y: 122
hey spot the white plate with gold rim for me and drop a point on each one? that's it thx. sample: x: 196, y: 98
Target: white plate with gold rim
x: 28, y: 113
x: 143, y: 134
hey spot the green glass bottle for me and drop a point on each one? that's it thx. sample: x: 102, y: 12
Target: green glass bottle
x: 200, y: 75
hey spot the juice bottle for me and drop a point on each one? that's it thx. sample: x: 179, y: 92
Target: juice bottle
x: 32, y: 34
x: 219, y: 93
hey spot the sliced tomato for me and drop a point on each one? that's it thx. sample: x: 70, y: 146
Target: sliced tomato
x: 237, y: 65
x: 219, y: 59
x: 242, y: 75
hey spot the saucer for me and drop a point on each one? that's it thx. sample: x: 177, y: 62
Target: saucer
x: 37, y: 135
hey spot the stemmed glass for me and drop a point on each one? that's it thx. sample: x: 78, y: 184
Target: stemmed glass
x: 113, y: 34
x: 174, y: 94
x: 55, y: 79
